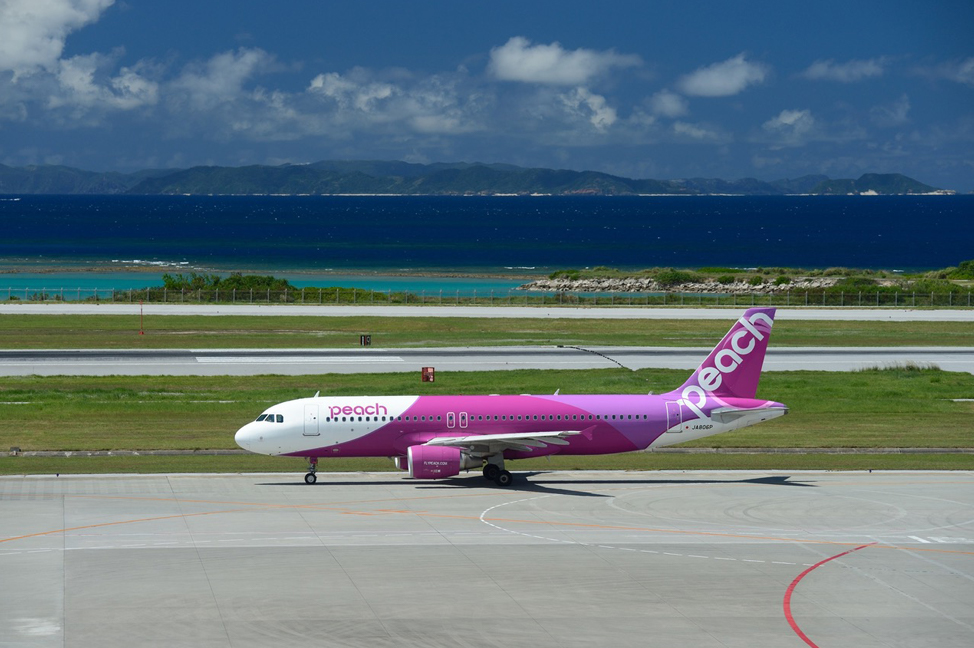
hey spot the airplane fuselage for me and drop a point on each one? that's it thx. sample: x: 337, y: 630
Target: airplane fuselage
x: 363, y: 426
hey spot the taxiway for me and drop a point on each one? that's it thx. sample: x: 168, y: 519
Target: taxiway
x: 710, y: 559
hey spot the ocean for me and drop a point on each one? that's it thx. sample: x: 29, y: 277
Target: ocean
x: 389, y: 240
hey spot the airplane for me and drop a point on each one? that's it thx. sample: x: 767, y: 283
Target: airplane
x: 436, y: 437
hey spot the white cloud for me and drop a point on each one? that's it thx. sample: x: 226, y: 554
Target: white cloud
x: 848, y: 72
x: 363, y: 96
x: 599, y: 113
x: 956, y: 71
x: 80, y: 88
x: 794, y: 120
x: 894, y: 114
x: 363, y: 101
x: 694, y: 132
x: 220, y: 80
x: 438, y: 106
x: 790, y: 127
x: 724, y: 79
x: 519, y: 60
x: 77, y: 90
x: 32, y: 32
x: 668, y: 104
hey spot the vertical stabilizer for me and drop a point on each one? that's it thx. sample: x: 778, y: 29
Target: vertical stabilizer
x: 733, y: 368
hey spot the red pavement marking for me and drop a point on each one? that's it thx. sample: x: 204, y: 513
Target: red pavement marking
x: 794, y: 584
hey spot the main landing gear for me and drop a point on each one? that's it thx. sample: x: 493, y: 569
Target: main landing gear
x: 495, y: 472
x: 311, y: 478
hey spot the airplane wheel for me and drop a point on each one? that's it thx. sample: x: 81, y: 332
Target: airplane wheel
x: 310, y: 478
x: 504, y: 478
x: 491, y: 471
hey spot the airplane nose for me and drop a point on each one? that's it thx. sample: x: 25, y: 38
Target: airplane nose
x: 245, y: 437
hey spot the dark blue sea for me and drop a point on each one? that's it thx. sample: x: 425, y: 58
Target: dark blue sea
x: 528, y: 235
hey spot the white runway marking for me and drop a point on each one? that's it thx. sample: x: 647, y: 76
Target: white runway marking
x: 291, y: 359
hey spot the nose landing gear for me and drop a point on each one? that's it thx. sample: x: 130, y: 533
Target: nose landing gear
x: 311, y: 478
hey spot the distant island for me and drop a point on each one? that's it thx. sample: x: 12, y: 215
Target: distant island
x: 403, y: 178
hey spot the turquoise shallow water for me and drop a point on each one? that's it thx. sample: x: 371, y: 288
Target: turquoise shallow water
x: 71, y: 282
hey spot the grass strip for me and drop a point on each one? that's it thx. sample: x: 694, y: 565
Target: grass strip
x: 231, y: 331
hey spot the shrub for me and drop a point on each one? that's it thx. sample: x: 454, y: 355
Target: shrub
x: 726, y: 279
x: 565, y: 274
x: 855, y: 283
x: 782, y: 280
x: 965, y: 270
x: 756, y: 280
x: 715, y: 270
x: 670, y: 277
x: 837, y: 272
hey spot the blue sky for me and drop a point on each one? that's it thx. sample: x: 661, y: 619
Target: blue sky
x: 641, y: 89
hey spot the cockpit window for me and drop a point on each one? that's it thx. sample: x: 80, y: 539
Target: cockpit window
x: 262, y: 417
x: 280, y: 418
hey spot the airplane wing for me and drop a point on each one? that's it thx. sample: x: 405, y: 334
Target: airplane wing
x: 488, y: 444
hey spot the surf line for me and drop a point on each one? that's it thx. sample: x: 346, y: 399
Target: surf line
x: 794, y: 584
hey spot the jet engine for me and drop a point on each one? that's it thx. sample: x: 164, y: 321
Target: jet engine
x: 437, y: 462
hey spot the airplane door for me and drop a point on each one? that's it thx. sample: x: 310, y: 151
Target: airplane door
x: 451, y: 420
x: 463, y: 419
x: 311, y: 420
x: 674, y: 416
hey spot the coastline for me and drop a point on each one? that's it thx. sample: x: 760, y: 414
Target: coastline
x: 17, y: 267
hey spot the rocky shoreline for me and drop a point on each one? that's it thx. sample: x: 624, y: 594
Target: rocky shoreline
x: 650, y: 285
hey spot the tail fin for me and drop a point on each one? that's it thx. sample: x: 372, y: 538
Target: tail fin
x: 733, y: 368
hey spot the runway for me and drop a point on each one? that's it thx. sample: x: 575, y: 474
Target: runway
x: 247, y: 362
x: 561, y: 559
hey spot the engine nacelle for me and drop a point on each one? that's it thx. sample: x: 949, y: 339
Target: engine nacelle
x: 437, y: 462
x: 401, y: 463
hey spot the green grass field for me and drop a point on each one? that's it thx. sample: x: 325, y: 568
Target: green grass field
x: 200, y: 332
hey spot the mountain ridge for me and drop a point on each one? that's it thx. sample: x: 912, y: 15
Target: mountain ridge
x: 330, y: 177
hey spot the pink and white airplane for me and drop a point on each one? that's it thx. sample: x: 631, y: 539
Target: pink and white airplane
x: 434, y: 437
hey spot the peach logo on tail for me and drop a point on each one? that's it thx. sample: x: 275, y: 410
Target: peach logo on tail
x: 725, y: 362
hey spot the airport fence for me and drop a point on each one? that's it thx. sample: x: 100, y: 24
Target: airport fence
x: 960, y: 298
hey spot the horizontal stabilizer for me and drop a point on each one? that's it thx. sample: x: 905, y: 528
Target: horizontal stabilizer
x: 730, y: 415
